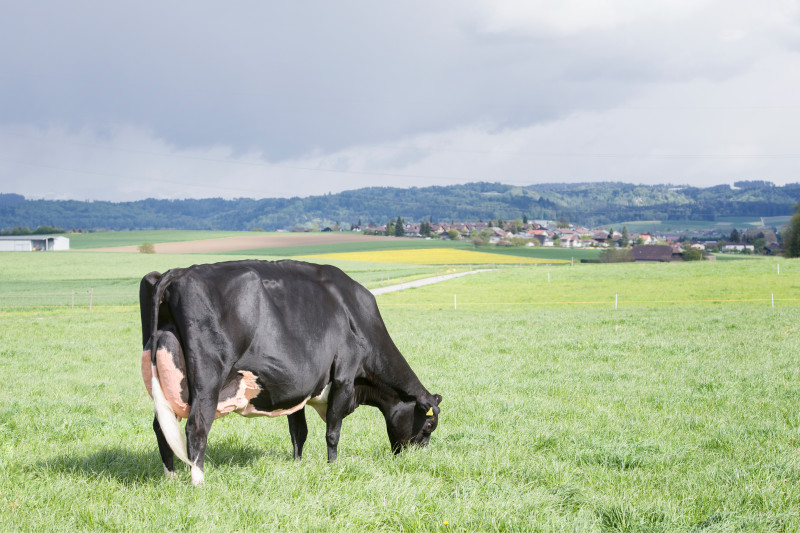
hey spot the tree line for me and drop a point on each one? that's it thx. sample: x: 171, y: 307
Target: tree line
x: 589, y: 204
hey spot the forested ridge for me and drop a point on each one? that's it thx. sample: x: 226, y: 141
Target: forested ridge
x: 590, y: 204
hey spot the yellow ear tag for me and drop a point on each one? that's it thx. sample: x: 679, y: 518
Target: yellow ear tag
x: 430, y: 412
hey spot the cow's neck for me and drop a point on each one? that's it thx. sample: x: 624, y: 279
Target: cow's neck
x: 371, y: 390
x: 389, y: 375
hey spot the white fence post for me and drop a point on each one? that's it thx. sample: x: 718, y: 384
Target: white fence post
x: 455, y: 302
x: 91, y: 297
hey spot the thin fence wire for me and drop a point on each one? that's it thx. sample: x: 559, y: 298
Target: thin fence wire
x: 106, y: 300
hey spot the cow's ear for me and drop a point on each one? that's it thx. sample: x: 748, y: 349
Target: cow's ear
x: 427, y: 406
x: 438, y: 398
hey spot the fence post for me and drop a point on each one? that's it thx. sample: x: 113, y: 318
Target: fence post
x: 91, y: 297
x: 455, y: 302
x: 73, y: 300
x: 616, y: 301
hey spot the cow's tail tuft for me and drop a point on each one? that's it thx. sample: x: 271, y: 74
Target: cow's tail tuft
x: 167, y: 418
x: 169, y: 423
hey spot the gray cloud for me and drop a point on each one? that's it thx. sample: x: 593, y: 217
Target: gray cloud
x: 295, y: 86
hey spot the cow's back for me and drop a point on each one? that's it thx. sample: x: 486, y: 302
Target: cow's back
x: 283, y: 321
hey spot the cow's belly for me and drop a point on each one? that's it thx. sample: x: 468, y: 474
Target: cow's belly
x: 235, y: 397
x: 237, y: 403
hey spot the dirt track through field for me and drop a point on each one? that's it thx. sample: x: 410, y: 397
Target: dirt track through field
x: 249, y: 242
x: 423, y: 282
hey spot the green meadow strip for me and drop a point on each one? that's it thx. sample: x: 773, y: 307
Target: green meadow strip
x: 680, y: 417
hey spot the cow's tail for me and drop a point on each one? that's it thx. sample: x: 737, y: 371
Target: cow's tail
x: 167, y: 419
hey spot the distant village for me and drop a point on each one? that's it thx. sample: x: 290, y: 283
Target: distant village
x: 643, y: 246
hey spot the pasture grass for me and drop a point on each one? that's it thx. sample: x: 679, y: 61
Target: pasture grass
x: 367, y: 245
x: 430, y: 256
x: 86, y: 241
x: 110, y: 239
x: 556, y: 417
x: 721, y: 224
x: 50, y: 279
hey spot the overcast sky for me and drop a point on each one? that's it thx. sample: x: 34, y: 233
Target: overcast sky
x: 128, y: 100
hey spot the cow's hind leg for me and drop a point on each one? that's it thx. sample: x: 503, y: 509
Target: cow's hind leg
x: 167, y: 457
x: 198, y: 425
x: 298, y: 429
x: 340, y: 404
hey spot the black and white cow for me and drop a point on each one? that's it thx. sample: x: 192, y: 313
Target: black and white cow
x: 269, y: 338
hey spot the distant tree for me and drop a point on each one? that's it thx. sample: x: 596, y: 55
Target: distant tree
x: 425, y: 228
x: 453, y: 234
x: 692, y: 254
x: 399, y: 228
x: 47, y: 230
x: 616, y: 255
x: 791, y: 235
x: 147, y: 248
x: 625, y: 239
x: 390, y: 227
x: 18, y: 230
x: 525, y: 219
x: 735, y: 237
x: 481, y: 238
x: 562, y: 222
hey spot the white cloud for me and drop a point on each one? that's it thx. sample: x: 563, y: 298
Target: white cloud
x: 280, y: 100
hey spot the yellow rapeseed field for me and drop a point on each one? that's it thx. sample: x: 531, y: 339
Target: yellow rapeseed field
x: 434, y: 256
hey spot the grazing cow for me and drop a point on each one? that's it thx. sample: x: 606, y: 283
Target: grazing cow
x: 269, y: 338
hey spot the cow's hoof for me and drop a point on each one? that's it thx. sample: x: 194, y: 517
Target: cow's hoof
x: 170, y: 474
x: 197, y: 476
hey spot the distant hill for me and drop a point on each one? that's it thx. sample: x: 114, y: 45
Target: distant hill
x: 589, y: 204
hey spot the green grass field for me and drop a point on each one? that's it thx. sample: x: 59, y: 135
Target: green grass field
x: 677, y: 411
x: 108, y: 239
x: 86, y: 241
x: 721, y: 224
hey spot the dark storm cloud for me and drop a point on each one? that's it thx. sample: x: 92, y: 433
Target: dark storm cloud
x: 115, y: 100
x: 291, y: 78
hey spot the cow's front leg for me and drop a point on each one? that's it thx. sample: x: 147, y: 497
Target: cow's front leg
x: 198, y: 425
x: 167, y: 457
x: 298, y: 429
x: 340, y: 404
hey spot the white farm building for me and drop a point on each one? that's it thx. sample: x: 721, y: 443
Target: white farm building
x: 33, y: 243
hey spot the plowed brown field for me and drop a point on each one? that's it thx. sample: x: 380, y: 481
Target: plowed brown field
x: 250, y: 242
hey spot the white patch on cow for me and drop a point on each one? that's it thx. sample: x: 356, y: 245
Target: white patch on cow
x: 168, y: 421
x: 252, y: 410
x: 171, y: 377
x: 168, y: 474
x: 246, y: 390
x: 198, y: 478
x: 320, y: 402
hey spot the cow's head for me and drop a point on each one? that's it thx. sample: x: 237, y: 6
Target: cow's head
x: 413, y: 422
